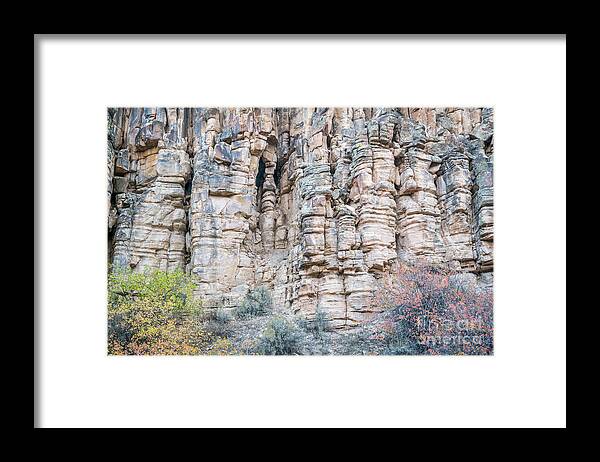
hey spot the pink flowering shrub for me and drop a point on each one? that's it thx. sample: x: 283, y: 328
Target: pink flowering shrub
x: 431, y: 312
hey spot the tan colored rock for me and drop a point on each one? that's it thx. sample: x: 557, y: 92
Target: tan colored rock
x: 317, y: 204
x: 151, y: 220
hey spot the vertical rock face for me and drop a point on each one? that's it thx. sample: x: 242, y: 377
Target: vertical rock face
x: 315, y: 203
x: 151, y: 167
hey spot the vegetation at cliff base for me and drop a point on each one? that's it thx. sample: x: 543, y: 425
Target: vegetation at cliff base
x: 153, y: 313
x: 257, y: 302
x: 416, y: 310
x: 431, y: 310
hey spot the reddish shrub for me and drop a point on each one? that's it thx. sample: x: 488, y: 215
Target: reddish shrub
x: 433, y: 313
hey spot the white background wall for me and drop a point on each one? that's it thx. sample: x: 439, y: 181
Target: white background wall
x: 523, y: 384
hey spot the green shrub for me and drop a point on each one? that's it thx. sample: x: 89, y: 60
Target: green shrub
x: 218, y: 322
x: 257, y: 302
x: 247, y: 347
x: 356, y: 343
x: 222, y: 347
x: 222, y: 316
x: 153, y: 313
x: 280, y: 337
x: 320, y: 324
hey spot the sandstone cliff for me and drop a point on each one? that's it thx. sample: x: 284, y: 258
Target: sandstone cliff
x: 314, y: 203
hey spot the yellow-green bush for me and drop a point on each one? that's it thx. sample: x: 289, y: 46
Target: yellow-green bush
x: 153, y: 313
x: 222, y: 347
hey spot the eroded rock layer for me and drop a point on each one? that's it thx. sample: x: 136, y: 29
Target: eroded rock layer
x: 315, y: 203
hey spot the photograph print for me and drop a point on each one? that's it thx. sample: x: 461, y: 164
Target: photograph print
x: 300, y: 231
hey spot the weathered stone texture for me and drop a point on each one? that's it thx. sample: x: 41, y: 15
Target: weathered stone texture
x: 316, y: 203
x: 151, y: 167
